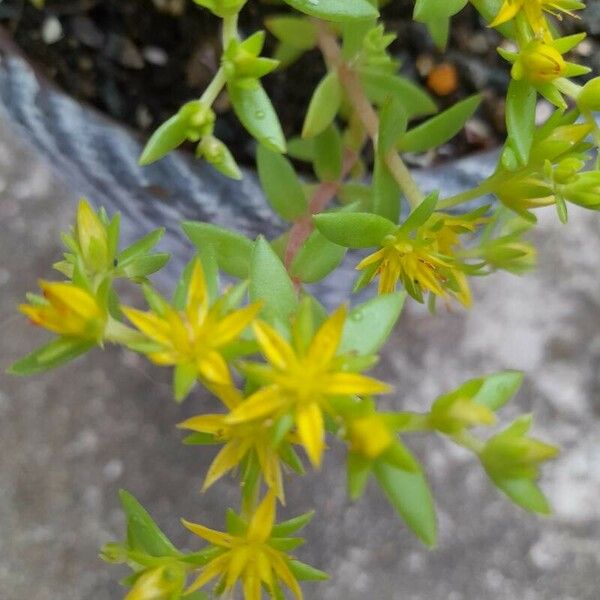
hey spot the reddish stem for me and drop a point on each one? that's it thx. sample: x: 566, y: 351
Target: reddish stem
x: 326, y: 191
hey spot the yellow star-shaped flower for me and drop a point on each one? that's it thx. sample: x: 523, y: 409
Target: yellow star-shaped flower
x: 533, y: 11
x: 239, y: 441
x: 423, y: 263
x: 195, y: 337
x: 67, y: 310
x: 303, y: 382
x: 250, y: 557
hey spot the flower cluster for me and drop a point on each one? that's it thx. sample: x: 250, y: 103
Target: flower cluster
x: 291, y: 375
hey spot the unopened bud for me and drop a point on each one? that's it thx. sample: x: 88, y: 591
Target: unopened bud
x: 589, y: 96
x: 539, y: 63
x: 222, y: 8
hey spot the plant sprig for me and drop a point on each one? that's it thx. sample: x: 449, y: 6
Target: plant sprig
x: 290, y: 374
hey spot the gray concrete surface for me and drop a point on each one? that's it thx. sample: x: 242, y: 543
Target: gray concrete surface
x: 69, y: 439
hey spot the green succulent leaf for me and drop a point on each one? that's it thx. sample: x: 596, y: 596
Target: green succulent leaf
x: 380, y: 86
x: 50, y: 356
x: 233, y: 250
x: 420, y: 214
x: 409, y: 494
x: 287, y: 528
x: 270, y: 283
x: 369, y: 325
x: 317, y: 258
x: 520, y: 117
x: 430, y: 10
x: 298, y: 32
x: 256, y: 113
x: 324, y: 105
x: 524, y: 493
x: 304, y: 572
x: 140, y: 247
x: 497, y: 389
x: 441, y: 128
x: 328, y: 154
x: 359, y: 469
x: 143, y: 533
x: 336, y: 10
x: 354, y: 230
x: 170, y: 135
x: 281, y: 184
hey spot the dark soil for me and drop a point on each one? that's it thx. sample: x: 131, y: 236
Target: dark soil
x: 139, y: 60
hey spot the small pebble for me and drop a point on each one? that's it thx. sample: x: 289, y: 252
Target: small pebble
x: 585, y: 48
x: 86, y: 31
x: 52, y: 30
x: 443, y: 79
x: 424, y: 64
x: 155, y: 56
x: 478, y: 43
x: 143, y: 117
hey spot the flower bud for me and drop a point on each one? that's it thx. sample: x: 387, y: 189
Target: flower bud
x: 370, y: 436
x: 92, y: 238
x: 69, y: 311
x: 567, y: 169
x: 222, y: 8
x: 242, y: 60
x: 215, y: 152
x: 161, y: 583
x: 589, y: 96
x: 539, y: 63
x: 513, y: 454
x: 584, y: 190
x: 199, y: 119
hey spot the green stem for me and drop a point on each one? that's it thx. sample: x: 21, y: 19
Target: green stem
x: 328, y: 43
x: 468, y: 441
x: 405, y: 422
x: 118, y: 333
x: 567, y: 87
x: 230, y: 30
x: 486, y: 187
x: 214, y: 88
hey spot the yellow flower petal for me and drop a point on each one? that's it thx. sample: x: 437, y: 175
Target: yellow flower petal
x: 228, y: 457
x: 227, y: 394
x: 213, y: 424
x: 284, y: 573
x: 276, y: 350
x: 507, y: 11
x: 232, y: 325
x: 197, y: 295
x: 264, y: 569
x: 371, y: 259
x: 217, y: 538
x: 164, y: 358
x: 213, y: 569
x: 214, y: 369
x: 325, y: 343
x: 464, y: 295
x: 261, y: 523
x: 261, y: 404
x: 149, y: 324
x: 71, y: 299
x: 311, y: 430
x: 268, y: 460
x: 353, y: 384
x: 89, y: 228
x: 237, y: 564
x: 252, y: 587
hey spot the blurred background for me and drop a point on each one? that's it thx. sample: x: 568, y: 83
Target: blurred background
x: 71, y: 438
